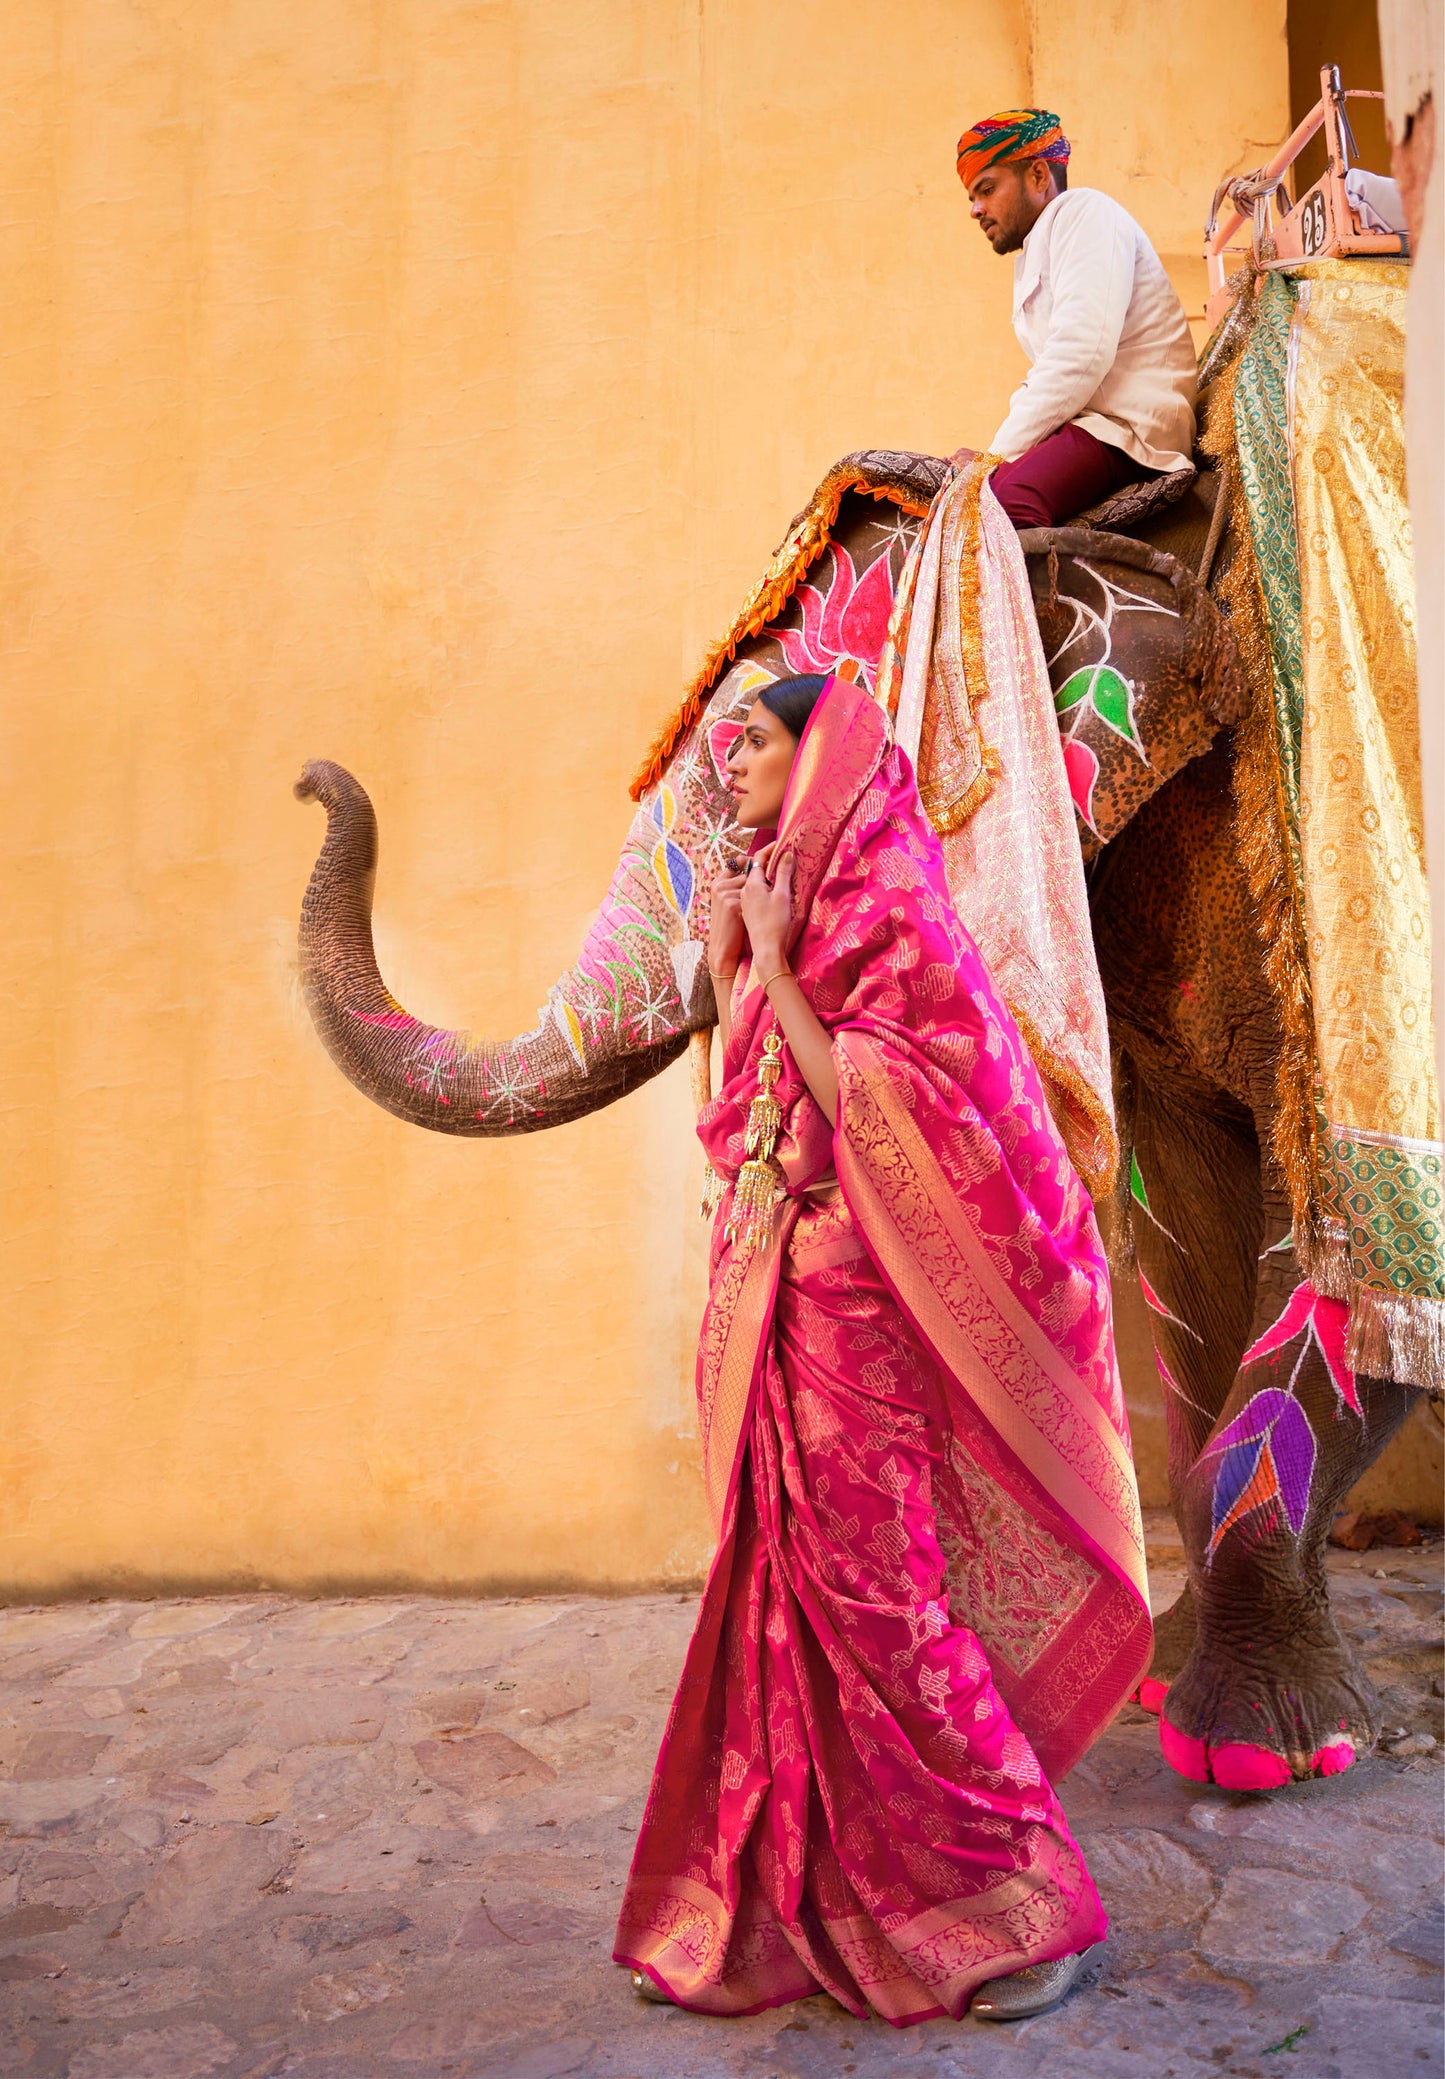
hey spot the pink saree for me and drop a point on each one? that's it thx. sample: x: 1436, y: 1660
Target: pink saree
x: 928, y: 1594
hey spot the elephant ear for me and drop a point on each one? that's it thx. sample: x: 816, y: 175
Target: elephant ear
x: 1143, y: 666
x: 638, y: 988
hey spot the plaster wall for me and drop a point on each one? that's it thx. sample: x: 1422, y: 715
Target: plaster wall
x: 420, y: 383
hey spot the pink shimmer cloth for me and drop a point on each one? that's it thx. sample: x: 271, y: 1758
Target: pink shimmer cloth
x: 929, y: 1583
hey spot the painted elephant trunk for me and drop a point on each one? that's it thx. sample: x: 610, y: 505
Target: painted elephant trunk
x: 595, y: 1038
x: 1143, y: 676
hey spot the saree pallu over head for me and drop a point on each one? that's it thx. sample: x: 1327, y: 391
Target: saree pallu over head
x: 962, y: 1189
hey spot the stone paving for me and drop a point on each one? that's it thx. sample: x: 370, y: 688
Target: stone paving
x: 354, y: 1839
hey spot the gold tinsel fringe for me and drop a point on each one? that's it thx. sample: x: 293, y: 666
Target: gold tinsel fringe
x: 947, y: 816
x: 1324, y: 1257
x: 1098, y: 1177
x: 1394, y: 1338
x: 807, y: 538
x: 1261, y: 830
x: 1390, y: 1336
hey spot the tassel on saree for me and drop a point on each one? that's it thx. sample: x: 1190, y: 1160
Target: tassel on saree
x: 759, y: 1186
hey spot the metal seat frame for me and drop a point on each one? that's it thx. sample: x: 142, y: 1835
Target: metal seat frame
x: 1321, y: 225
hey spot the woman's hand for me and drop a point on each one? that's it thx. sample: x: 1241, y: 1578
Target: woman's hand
x: 767, y: 911
x: 768, y: 914
x: 725, y: 929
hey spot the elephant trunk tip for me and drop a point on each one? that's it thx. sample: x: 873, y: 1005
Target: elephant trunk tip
x: 333, y: 786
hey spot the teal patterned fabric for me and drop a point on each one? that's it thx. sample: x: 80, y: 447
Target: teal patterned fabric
x: 1261, y: 425
x: 1392, y: 1195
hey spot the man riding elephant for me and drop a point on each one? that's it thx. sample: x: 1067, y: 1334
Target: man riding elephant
x: 1110, y: 395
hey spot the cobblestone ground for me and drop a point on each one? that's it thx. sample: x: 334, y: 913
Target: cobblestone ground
x: 352, y: 1839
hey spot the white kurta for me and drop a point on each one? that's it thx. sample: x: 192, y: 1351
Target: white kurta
x: 1099, y: 319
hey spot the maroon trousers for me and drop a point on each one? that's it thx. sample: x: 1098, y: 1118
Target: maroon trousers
x: 1064, y: 475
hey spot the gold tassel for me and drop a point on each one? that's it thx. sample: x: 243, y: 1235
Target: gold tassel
x: 759, y: 1185
x: 713, y: 1188
x: 755, y: 1199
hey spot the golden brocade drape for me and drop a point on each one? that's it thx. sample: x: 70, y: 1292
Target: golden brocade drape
x: 1366, y: 901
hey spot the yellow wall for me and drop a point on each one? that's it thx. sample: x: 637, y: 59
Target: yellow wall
x: 420, y: 383
x: 1343, y: 33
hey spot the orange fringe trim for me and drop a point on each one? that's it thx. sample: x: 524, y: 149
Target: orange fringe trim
x: 807, y: 538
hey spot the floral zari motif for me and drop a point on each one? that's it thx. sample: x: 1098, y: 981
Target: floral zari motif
x: 928, y: 1591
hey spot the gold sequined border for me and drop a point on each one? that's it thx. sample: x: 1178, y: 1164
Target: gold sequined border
x: 949, y: 813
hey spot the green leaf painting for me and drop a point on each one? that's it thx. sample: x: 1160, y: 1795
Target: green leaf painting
x: 1108, y: 693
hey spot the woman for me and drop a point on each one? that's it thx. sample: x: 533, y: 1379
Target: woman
x: 929, y: 1580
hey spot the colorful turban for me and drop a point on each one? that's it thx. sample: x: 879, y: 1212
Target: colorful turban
x: 1005, y: 138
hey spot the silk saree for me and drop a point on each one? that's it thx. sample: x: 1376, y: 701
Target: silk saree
x: 928, y: 1594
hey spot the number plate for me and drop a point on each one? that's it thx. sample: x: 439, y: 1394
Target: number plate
x: 1314, y: 224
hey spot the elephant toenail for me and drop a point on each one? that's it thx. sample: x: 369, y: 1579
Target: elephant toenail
x: 1187, y: 1757
x: 1240, y: 1767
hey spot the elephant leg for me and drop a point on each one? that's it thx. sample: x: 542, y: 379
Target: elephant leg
x: 1198, y: 1219
x: 1271, y: 1691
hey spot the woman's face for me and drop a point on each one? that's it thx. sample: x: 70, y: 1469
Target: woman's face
x: 758, y: 767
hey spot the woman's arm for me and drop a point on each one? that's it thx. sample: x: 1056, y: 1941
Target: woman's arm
x: 812, y: 1048
x: 724, y: 946
x: 767, y: 911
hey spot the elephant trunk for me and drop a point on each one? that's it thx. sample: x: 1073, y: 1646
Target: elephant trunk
x: 451, y: 1081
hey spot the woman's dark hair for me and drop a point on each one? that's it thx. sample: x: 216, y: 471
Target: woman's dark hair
x: 793, y: 700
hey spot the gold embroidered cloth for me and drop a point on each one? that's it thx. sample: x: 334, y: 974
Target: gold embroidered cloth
x: 964, y: 675
x: 1366, y: 902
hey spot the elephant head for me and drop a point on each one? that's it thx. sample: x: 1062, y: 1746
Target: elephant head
x: 640, y: 986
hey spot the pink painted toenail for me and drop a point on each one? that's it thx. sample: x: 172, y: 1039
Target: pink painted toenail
x: 1237, y: 1767
x: 1152, y: 1695
x: 1187, y: 1757
x: 1334, y: 1759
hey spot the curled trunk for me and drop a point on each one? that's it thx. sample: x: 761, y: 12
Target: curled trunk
x: 1144, y: 675
x: 640, y: 985
x: 449, y: 1081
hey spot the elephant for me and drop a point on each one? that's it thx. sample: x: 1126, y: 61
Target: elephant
x: 1257, y: 1685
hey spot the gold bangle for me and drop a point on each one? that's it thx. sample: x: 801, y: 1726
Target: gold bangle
x: 730, y: 976
x: 767, y: 985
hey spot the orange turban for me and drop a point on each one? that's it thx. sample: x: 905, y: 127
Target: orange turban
x: 1011, y: 135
